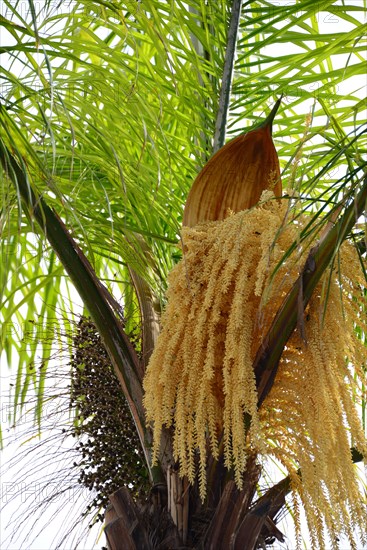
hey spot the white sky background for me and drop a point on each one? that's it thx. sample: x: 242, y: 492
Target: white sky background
x: 26, y: 492
x: 32, y: 469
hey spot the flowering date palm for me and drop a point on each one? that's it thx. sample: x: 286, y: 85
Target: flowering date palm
x: 138, y: 170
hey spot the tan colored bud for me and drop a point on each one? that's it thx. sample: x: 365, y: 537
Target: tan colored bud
x: 234, y: 178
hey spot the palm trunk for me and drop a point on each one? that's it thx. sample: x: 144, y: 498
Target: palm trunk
x: 181, y: 520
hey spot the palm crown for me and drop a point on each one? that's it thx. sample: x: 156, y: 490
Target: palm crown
x: 108, y: 112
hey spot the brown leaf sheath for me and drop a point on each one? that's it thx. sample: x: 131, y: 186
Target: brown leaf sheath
x: 234, y: 178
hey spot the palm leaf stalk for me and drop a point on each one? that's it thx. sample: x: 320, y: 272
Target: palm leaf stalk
x: 227, y: 79
x: 269, y: 505
x: 95, y: 296
x: 319, y: 259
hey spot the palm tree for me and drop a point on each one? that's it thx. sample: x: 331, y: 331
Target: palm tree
x: 108, y: 111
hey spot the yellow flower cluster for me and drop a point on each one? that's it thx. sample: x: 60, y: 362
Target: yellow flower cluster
x: 310, y: 416
x: 222, y: 298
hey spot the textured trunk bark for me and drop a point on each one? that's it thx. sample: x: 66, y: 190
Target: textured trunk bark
x: 176, y: 519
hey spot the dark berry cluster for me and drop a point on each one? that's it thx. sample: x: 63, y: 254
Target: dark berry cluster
x: 111, y: 455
